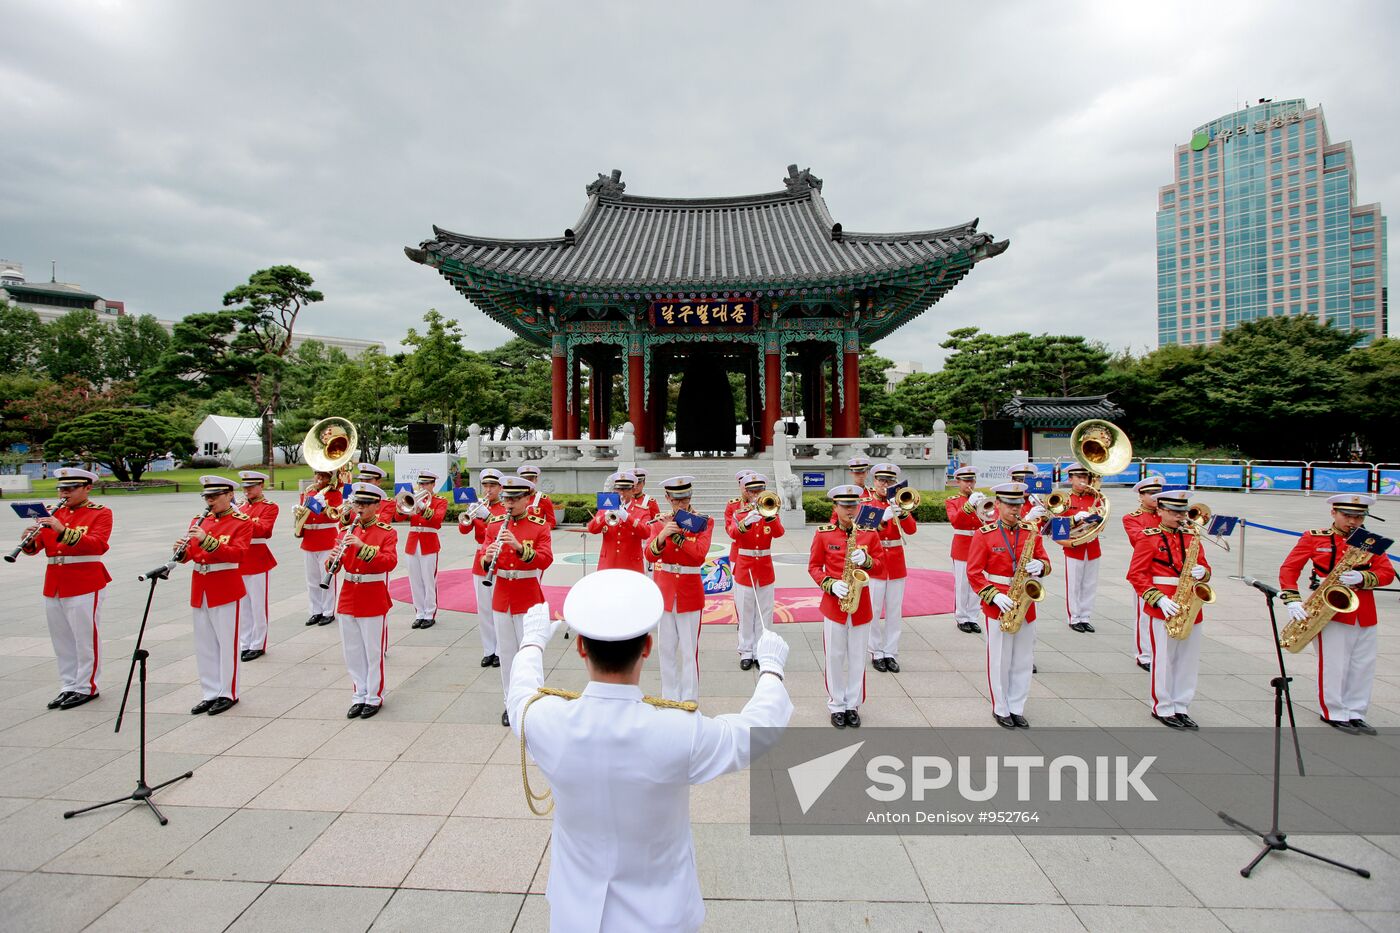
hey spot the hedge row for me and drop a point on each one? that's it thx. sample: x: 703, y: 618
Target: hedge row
x: 931, y: 508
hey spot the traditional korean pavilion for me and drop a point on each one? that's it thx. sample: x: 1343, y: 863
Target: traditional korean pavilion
x: 641, y: 289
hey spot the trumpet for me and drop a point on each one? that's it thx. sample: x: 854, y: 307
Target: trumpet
x: 907, y: 499
x: 408, y: 503
x: 28, y: 539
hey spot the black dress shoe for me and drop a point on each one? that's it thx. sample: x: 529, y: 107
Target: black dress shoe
x: 1145, y: 666
x: 77, y: 699
x: 416, y: 623
x: 354, y: 711
x: 243, y: 655
x: 1361, y: 725
x: 486, y: 660
x: 57, y: 701
x: 254, y: 654
x: 314, y: 620
x: 427, y: 623
x: 326, y: 620
x: 852, y: 719
x: 1006, y: 722
x: 1034, y: 669
x: 838, y: 720
x: 1020, y: 721
x: 969, y: 627
x: 1187, y: 722
x: 222, y: 705
x: 505, y: 718
x: 745, y: 664
x: 878, y: 664
x: 1171, y: 722
x: 891, y: 666
x: 1340, y: 725
x: 201, y: 707
x: 1082, y: 627
x: 369, y: 712
x: 496, y: 658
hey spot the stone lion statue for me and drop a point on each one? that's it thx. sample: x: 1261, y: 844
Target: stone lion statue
x: 791, y: 492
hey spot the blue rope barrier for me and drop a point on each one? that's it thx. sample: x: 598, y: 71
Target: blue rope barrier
x: 1295, y: 534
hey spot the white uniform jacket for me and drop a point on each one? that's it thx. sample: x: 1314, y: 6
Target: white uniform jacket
x: 621, y: 855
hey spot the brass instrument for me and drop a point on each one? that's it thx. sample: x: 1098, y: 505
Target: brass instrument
x: 907, y: 499
x: 408, y: 503
x: 328, y: 447
x: 854, y: 578
x: 1102, y: 448
x: 1191, y: 594
x: 1330, y: 598
x: 1200, y: 514
x: 28, y: 538
x: 768, y: 503
x: 1024, y: 588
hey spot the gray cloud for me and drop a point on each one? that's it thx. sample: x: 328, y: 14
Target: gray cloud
x: 162, y: 151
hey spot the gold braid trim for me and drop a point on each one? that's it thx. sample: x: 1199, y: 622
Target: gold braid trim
x: 210, y: 543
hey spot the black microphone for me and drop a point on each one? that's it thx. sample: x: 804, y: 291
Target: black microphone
x: 1265, y: 588
x: 160, y: 573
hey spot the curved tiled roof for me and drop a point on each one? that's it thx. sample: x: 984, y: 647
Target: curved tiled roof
x: 1050, y: 411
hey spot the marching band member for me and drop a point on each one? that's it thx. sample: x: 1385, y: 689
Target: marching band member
x: 1154, y: 572
x: 422, y: 548
x: 639, y: 493
x: 991, y: 563
x: 388, y: 509
x: 474, y: 521
x: 753, y: 535
x: 1024, y: 473
x: 1134, y: 523
x: 369, y: 551
x: 624, y: 529
x: 519, y: 552
x: 858, y: 468
x: 257, y: 566
x: 540, y: 504
x: 217, y: 545
x: 845, y: 633
x: 1346, y: 652
x: 1081, y: 561
x: 965, y: 515
x: 74, y: 538
x: 677, y: 556
x: 887, y: 590
x: 317, y: 538
x: 730, y: 507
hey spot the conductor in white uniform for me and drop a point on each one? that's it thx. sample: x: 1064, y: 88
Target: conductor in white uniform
x: 621, y: 855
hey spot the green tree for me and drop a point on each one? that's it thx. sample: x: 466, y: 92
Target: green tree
x: 125, y: 440
x: 917, y: 402
x: 518, y: 393
x: 1163, y: 409
x: 310, y: 365
x: 132, y: 345
x: 361, y: 390
x: 21, y: 335
x: 51, y: 405
x: 1372, y: 399
x: 74, y: 345
x: 437, y: 378
x: 876, y: 407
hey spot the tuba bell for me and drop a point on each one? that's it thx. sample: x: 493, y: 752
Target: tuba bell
x: 1102, y: 448
x: 328, y: 447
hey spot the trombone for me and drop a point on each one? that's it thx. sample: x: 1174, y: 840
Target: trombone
x: 1199, y: 515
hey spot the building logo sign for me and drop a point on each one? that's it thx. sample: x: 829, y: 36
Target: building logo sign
x: 705, y: 314
x: 1201, y: 139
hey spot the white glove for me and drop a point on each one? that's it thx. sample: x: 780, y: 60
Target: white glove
x: 976, y: 499
x: 889, y: 514
x: 1296, y: 611
x: 620, y: 515
x: 480, y: 511
x: 1080, y: 516
x: 538, y: 627
x: 859, y: 557
x: 1168, y: 607
x: 1003, y: 602
x: 1034, y: 566
x: 771, y: 652
x: 839, y: 589
x: 1351, y: 578
x: 751, y: 518
x: 1036, y: 513
x: 1198, y: 572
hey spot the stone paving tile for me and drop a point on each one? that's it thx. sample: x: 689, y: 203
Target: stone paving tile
x: 976, y: 869
x: 226, y: 781
x: 207, y: 735
x: 1293, y: 920
x: 843, y: 916
x: 1209, y: 866
x: 251, y: 845
x: 425, y: 787
x: 411, y: 911
x: 299, y: 908
x: 1106, y: 870
x: 457, y: 742
x: 372, y: 739
x: 364, y: 850
x: 289, y: 738
x: 734, y: 865
x: 319, y: 784
x: 481, y: 855
x: 38, y: 833
x: 164, y: 905
x: 978, y: 918
x: 56, y: 903
x: 39, y: 772
x: 872, y: 868
x: 136, y: 844
x: 119, y: 776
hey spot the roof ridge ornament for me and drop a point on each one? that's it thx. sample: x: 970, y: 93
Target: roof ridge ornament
x: 801, y: 182
x: 608, y: 188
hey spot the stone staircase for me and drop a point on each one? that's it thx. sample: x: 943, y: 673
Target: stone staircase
x: 714, y: 479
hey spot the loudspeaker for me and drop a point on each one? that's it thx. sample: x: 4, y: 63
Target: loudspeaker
x: 998, y: 434
x: 424, y: 437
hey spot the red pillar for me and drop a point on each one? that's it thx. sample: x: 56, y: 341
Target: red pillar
x: 575, y: 397
x: 772, y: 395
x: 852, y: 409
x: 559, y: 415
x: 636, y: 411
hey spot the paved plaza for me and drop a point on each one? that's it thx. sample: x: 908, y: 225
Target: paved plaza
x: 297, y: 819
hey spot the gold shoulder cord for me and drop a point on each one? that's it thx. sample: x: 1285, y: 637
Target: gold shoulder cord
x: 532, y: 799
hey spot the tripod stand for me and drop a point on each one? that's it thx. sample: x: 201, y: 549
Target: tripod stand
x: 1275, y: 840
x: 143, y: 791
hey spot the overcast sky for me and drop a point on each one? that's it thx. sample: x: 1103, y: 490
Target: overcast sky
x: 162, y: 151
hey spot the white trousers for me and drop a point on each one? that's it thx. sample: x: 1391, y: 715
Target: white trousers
x: 422, y: 580
x: 1143, y: 643
x: 510, y: 629
x: 1010, y: 661
x: 845, y: 646
x: 1081, y: 586
x: 887, y: 616
x: 1175, y: 664
x: 363, y: 639
x: 1346, y: 668
x: 485, y: 616
x: 252, y: 633
x: 966, y: 606
x: 680, y: 655
x: 73, y: 623
x: 319, y: 602
x: 754, y: 604
x: 216, y: 649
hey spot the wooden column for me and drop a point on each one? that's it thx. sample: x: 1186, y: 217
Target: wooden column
x: 636, y: 410
x: 559, y: 414
x: 772, y: 390
x: 851, y: 375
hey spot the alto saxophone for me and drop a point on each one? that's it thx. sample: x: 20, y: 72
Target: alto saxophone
x: 854, y: 578
x: 1330, y: 598
x: 1024, y: 589
x: 1190, y: 595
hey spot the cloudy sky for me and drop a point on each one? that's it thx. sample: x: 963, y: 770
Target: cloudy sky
x: 162, y: 151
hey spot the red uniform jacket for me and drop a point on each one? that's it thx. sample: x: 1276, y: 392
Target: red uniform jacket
x: 1156, y: 566
x: 652, y: 507
x: 377, y: 554
x: 827, y: 563
x: 990, y: 563
x: 1079, y: 503
x: 892, y: 535
x: 1137, y: 521
x: 263, y: 515
x: 227, y: 540
x: 515, y: 595
x: 426, y: 542
x: 965, y: 522
x: 320, y: 531
x: 87, y: 530
x: 388, y: 512
x: 623, y: 542
x: 478, y: 528
x: 751, y: 570
x: 1323, y: 547
x: 542, y: 506
x: 681, y: 590
x: 730, y: 507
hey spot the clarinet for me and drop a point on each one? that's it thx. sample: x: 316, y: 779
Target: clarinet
x: 164, y: 569
x: 28, y: 539
x: 337, y: 554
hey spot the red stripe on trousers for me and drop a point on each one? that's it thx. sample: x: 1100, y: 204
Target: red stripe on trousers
x: 267, y: 622
x: 92, y: 671
x: 1152, y: 638
x: 1321, y: 696
x: 383, y: 646
x: 237, y: 606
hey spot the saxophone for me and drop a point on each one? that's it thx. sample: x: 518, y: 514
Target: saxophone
x: 1191, y: 595
x: 1330, y: 598
x: 854, y: 578
x: 1024, y: 588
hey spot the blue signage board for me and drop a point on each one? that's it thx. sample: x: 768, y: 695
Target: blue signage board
x: 1341, y: 479
x: 1175, y: 474
x: 1276, y: 477
x: 1390, y: 483
x: 1220, y: 475
x: 813, y: 479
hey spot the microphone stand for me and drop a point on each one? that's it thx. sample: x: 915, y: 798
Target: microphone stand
x: 143, y: 791
x: 1275, y: 840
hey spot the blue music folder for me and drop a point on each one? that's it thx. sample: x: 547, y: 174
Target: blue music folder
x: 464, y: 495
x: 869, y: 516
x: 1222, y: 526
x: 1059, y: 528
x: 1041, y: 484
x: 347, y: 491
x: 689, y: 521
x: 402, y: 487
x: 607, y: 501
x: 1369, y: 540
x: 316, y: 505
x: 30, y: 510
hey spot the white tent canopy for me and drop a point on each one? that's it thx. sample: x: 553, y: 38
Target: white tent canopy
x: 236, y: 441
